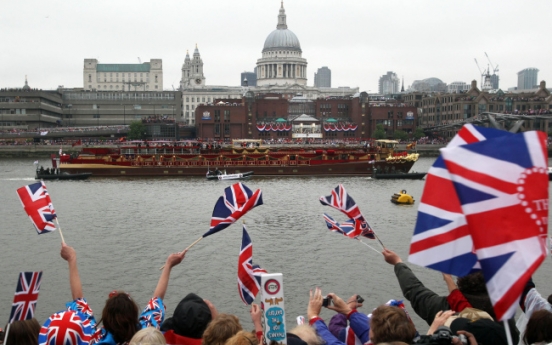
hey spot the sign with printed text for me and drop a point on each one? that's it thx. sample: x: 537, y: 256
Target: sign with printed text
x: 272, y: 303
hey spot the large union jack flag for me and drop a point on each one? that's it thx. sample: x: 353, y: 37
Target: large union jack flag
x: 66, y: 327
x: 249, y: 275
x: 237, y: 201
x: 502, y: 185
x: 26, y: 296
x: 441, y: 240
x: 38, y: 206
x: 342, y: 201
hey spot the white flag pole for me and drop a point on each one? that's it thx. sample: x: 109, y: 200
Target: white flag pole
x: 59, y: 228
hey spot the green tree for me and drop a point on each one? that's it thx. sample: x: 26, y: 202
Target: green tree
x: 401, y: 135
x: 379, y: 133
x: 418, y: 133
x: 137, y: 130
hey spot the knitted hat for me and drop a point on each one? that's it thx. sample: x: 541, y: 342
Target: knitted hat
x: 190, y: 318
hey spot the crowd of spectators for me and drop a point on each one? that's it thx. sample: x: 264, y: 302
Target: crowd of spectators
x: 158, y: 119
x: 465, y: 316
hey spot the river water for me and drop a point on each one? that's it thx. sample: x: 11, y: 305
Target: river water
x: 124, y: 228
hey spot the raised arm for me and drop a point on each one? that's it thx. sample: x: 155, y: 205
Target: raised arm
x: 173, y: 260
x: 70, y: 255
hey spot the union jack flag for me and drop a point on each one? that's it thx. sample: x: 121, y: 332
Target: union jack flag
x: 441, y: 240
x: 26, y: 296
x: 342, y: 201
x: 38, y: 206
x: 249, y: 275
x: 502, y: 183
x: 66, y: 327
x: 237, y: 201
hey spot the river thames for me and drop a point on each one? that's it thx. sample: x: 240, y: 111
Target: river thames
x: 124, y: 228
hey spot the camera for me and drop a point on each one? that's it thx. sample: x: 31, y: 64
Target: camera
x: 359, y: 299
x: 326, y: 301
x: 443, y: 335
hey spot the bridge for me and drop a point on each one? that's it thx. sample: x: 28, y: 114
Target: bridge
x: 509, y: 122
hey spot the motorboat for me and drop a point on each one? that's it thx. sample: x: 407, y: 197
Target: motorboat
x: 397, y: 175
x: 223, y: 176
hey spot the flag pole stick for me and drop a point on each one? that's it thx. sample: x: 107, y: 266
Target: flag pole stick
x: 59, y: 228
x: 369, y: 246
x: 6, y: 334
x: 507, y: 330
x: 374, y: 231
x: 190, y: 246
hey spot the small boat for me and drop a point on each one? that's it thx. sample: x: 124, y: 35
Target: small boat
x: 397, y: 175
x: 62, y: 176
x: 223, y: 176
x: 402, y: 198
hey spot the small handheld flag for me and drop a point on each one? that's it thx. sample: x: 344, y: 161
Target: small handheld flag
x: 236, y: 202
x: 342, y: 201
x: 38, y: 206
x: 249, y: 275
x: 26, y: 296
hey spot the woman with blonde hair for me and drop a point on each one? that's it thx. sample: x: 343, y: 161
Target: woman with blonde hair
x: 243, y: 338
x: 220, y: 329
x: 148, y: 336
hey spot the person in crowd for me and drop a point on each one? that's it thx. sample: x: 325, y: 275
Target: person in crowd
x: 256, y: 317
x: 539, y: 328
x: 221, y: 328
x: 530, y: 302
x: 23, y: 332
x: 427, y: 304
x: 120, y: 316
x: 307, y: 333
x: 148, y: 336
x: 243, y: 338
x: 389, y: 324
x: 189, y: 321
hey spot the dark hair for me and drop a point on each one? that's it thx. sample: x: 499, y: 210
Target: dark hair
x: 473, y: 284
x: 120, y: 316
x: 220, y: 329
x: 23, y: 332
x: 389, y: 324
x: 539, y: 327
x: 550, y: 299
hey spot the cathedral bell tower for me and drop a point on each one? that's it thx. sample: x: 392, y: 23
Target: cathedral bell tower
x: 192, y: 71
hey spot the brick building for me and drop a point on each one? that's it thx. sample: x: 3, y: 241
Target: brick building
x: 274, y: 116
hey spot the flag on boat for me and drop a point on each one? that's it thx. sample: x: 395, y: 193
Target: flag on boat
x: 38, y: 206
x: 236, y: 202
x: 249, y: 275
x: 502, y: 183
x: 441, y: 240
x: 26, y: 296
x: 342, y: 201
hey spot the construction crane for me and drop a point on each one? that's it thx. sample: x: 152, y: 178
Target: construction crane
x: 483, y: 73
x: 495, y: 69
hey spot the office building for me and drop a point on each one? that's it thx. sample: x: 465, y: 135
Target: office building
x: 323, y: 77
x: 389, y: 84
x: 147, y: 76
x: 527, y: 79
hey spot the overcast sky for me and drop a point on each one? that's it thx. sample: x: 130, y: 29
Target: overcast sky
x: 359, y: 40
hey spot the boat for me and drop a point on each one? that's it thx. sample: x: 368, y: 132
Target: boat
x: 398, y: 175
x: 402, y: 198
x: 223, y: 176
x: 61, y: 176
x: 55, y: 173
x: 191, y: 158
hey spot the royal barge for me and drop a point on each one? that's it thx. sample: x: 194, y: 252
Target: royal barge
x: 195, y: 159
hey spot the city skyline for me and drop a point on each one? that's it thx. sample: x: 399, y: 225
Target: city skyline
x: 358, y: 41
